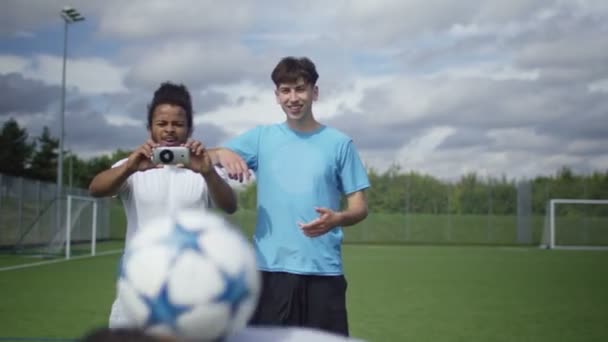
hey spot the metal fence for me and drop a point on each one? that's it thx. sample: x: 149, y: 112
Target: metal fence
x: 29, y: 209
x: 488, y: 215
x: 485, y: 214
x: 500, y: 214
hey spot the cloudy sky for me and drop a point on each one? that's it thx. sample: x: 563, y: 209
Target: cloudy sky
x: 516, y: 88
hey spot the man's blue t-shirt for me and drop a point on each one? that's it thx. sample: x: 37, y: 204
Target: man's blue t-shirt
x: 297, y: 172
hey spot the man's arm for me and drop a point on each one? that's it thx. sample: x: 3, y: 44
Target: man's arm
x: 221, y: 193
x: 355, y: 212
x: 214, y: 154
x: 109, y: 182
x: 235, y: 166
x: 356, y: 209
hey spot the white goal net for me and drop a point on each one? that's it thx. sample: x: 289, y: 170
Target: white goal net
x: 80, y: 228
x: 576, y: 224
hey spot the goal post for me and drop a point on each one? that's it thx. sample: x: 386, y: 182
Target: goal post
x: 35, y: 229
x: 569, y: 237
x: 70, y: 218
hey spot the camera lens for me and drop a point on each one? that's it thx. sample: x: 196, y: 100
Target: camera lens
x: 166, y: 156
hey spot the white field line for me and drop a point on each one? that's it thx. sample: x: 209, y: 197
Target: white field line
x: 42, y: 263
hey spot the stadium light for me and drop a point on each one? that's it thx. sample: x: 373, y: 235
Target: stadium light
x: 69, y: 15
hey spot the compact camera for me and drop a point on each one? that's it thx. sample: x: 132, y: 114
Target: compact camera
x: 171, y: 155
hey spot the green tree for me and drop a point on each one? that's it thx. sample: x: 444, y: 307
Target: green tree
x: 44, y: 161
x: 426, y: 194
x: 77, y: 169
x: 471, y: 195
x: 86, y: 170
x: 120, y: 154
x: 504, y: 196
x: 96, y: 165
x: 374, y: 198
x: 15, y: 150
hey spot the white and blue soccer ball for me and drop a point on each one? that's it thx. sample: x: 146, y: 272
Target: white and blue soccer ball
x: 191, y: 275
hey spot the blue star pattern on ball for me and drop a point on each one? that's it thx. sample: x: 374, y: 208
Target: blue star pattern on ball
x: 179, y: 239
x: 182, y: 238
x: 162, y: 311
x: 235, y: 290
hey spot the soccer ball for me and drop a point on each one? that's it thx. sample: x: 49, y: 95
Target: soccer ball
x: 190, y: 275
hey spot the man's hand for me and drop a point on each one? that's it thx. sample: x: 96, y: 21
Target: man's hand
x: 235, y: 166
x: 141, y: 158
x: 327, y: 220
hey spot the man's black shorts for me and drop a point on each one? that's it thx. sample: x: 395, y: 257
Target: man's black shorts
x: 303, y: 300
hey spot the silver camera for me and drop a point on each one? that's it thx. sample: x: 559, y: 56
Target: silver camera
x: 171, y: 155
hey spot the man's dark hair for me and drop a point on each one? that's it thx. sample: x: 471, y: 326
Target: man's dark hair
x: 291, y: 69
x: 173, y: 94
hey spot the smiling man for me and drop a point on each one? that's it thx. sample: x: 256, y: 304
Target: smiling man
x: 303, y: 170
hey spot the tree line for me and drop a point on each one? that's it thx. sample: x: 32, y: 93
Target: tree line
x: 36, y: 158
x: 412, y: 192
x: 392, y: 191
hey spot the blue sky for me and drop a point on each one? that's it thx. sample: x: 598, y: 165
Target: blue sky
x: 516, y: 88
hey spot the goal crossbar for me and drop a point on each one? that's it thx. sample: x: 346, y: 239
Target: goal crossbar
x: 552, y: 204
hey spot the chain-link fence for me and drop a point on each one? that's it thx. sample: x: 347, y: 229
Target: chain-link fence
x: 29, y: 214
x: 497, y: 214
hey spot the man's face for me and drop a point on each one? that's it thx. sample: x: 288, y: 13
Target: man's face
x: 169, y: 125
x: 296, y: 98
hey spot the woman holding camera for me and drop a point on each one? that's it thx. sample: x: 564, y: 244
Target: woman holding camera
x: 170, y: 171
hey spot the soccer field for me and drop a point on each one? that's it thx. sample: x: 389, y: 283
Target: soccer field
x: 395, y: 293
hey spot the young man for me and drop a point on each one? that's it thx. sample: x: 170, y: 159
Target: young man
x: 303, y: 170
x: 147, y: 190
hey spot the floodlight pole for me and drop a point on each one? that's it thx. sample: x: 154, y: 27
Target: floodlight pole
x: 69, y: 16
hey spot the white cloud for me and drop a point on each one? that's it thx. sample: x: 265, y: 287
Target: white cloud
x: 194, y: 63
x: 28, y: 18
x: 443, y: 87
x: 583, y: 147
x: 520, y: 139
x: 399, y: 99
x: 89, y: 75
x: 20, y: 16
x: 334, y: 102
x: 149, y: 18
x: 486, y: 70
x: 10, y: 63
x: 416, y: 151
x: 600, y: 86
x: 376, y: 23
x: 119, y: 120
x: 250, y: 105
